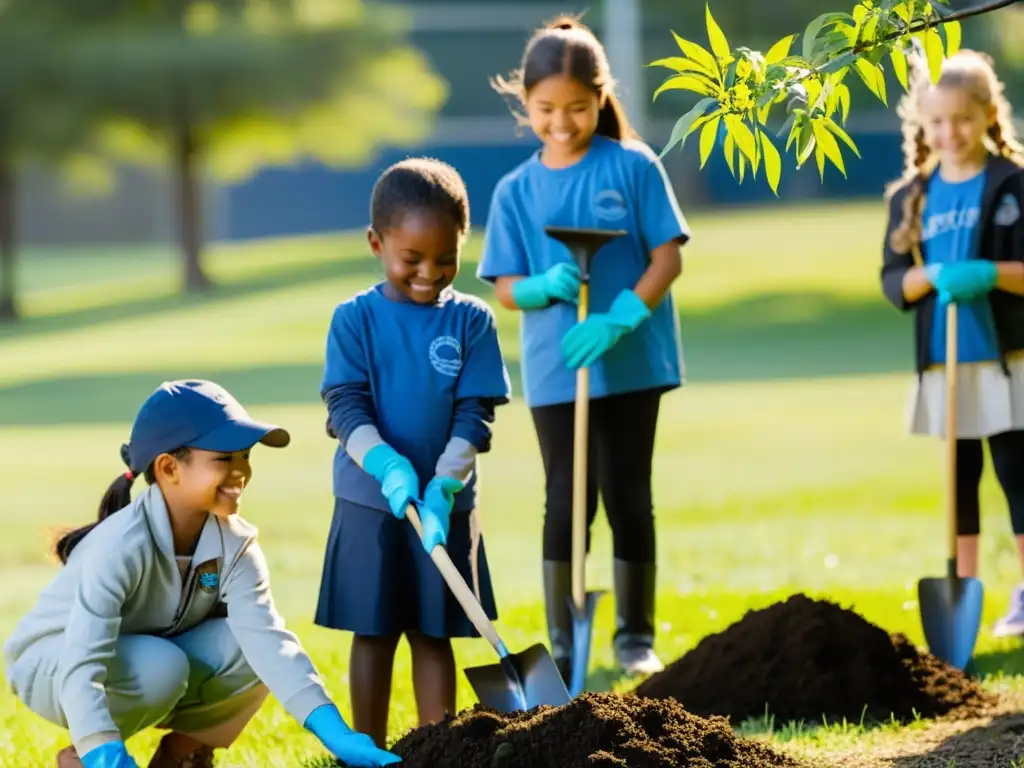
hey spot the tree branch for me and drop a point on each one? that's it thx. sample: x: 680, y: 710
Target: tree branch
x: 966, y: 13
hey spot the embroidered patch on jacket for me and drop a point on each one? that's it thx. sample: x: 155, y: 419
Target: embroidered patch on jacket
x: 209, y: 581
x: 1008, y: 212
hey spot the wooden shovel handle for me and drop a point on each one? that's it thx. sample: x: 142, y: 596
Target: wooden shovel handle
x: 459, y: 587
x: 951, y: 427
x: 581, y: 424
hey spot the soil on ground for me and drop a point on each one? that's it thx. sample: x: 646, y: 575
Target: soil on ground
x: 809, y: 660
x: 595, y: 730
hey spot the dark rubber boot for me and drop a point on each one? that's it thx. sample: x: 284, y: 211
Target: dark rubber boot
x: 634, y: 621
x: 557, y: 593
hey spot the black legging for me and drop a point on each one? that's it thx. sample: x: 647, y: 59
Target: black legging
x: 1007, y: 451
x: 622, y: 429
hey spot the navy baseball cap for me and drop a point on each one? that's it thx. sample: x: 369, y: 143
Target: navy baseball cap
x: 194, y: 414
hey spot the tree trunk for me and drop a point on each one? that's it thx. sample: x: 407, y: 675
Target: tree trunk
x: 8, y: 212
x: 186, y: 157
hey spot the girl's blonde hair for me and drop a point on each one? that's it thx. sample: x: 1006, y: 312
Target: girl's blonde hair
x: 975, y: 73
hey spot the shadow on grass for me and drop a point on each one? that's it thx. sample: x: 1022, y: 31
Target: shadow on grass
x: 771, y: 337
x: 1000, y: 743
x: 147, y: 305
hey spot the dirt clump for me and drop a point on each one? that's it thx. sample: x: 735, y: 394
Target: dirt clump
x: 595, y: 730
x: 809, y: 660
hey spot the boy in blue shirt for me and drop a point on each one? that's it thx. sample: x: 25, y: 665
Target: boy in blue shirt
x: 412, y: 377
x: 591, y: 172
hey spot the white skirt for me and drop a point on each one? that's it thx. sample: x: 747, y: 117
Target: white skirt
x: 988, y: 402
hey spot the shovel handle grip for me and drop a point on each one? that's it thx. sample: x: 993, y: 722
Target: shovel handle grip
x: 457, y: 584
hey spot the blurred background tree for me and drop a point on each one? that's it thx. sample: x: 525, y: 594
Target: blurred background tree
x: 218, y: 87
x: 224, y: 86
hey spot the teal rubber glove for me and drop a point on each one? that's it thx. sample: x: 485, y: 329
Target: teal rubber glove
x: 395, y: 473
x: 352, y: 748
x: 560, y: 283
x: 113, y: 754
x: 438, y: 500
x: 966, y: 280
x: 587, y: 341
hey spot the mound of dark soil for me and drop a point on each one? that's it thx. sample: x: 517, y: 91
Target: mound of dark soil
x: 806, y: 659
x: 595, y: 730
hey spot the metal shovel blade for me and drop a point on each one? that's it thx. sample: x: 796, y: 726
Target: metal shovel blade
x: 521, y: 681
x: 951, y: 617
x: 582, y: 631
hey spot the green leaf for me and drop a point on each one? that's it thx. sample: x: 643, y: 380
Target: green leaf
x: 843, y: 95
x: 692, y: 83
x: 933, y: 51
x: 678, y: 64
x: 899, y: 66
x: 772, y: 162
x: 873, y: 79
x: 829, y: 146
x: 743, y: 136
x: 708, y: 135
x: 869, y: 30
x: 780, y: 50
x: 708, y: 64
x: 730, y: 153
x: 685, y: 123
x: 742, y: 167
x: 719, y: 44
x: 814, y: 28
x: 953, y: 33
x: 843, y: 135
x: 805, y: 142
x: 843, y: 61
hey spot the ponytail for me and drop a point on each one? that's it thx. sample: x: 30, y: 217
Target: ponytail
x: 117, y: 497
x: 612, y: 120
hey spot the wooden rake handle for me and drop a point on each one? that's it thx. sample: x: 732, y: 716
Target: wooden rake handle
x: 457, y: 584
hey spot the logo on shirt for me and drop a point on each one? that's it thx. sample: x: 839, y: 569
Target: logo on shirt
x: 609, y: 205
x: 950, y: 221
x: 1008, y: 212
x: 446, y: 355
x: 208, y: 581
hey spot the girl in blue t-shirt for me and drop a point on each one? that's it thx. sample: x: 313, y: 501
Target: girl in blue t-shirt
x: 955, y: 233
x: 412, y: 377
x: 591, y: 172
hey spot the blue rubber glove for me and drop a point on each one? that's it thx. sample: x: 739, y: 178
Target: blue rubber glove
x: 352, y: 748
x: 397, y: 478
x: 965, y: 281
x: 438, y: 500
x: 587, y: 341
x: 560, y: 283
x: 113, y: 754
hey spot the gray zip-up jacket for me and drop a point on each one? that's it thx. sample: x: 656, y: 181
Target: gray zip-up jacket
x: 122, y: 579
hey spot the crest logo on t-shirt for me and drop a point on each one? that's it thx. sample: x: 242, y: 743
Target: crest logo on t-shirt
x: 1008, y: 212
x: 446, y: 355
x: 610, y: 205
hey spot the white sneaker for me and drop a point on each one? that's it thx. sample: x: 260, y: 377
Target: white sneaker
x: 1012, y: 624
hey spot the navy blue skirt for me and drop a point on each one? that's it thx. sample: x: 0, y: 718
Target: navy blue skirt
x: 378, y: 580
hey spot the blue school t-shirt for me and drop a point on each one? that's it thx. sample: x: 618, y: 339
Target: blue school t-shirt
x: 616, y: 185
x: 418, y: 360
x: 949, y: 227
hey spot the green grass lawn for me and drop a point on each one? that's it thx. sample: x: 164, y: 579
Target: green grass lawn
x: 783, y: 466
